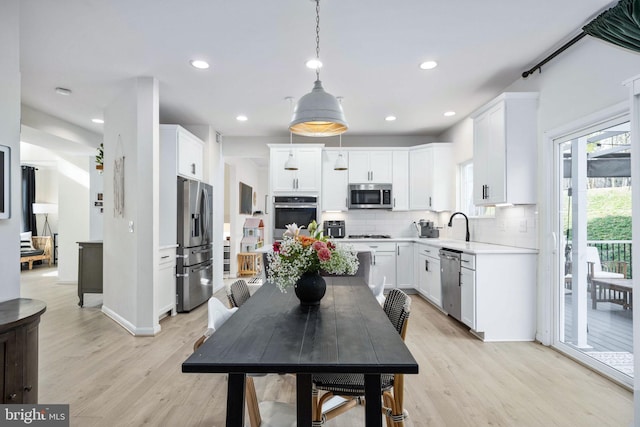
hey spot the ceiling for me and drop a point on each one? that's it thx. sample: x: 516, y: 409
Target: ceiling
x: 257, y: 49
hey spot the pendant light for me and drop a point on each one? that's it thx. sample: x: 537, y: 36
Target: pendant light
x: 341, y: 163
x: 291, y: 164
x: 318, y: 113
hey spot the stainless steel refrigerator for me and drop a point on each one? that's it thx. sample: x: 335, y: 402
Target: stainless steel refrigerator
x: 194, y: 264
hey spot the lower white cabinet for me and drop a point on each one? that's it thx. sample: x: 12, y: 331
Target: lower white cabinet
x: 468, y: 291
x: 165, y: 295
x: 428, y: 273
x: 384, y: 263
x: 404, y: 265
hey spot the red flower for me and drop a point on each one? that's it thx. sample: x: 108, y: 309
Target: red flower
x: 276, y: 246
x: 324, y: 254
x: 331, y: 245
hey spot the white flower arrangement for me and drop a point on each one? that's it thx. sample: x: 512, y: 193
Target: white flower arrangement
x: 297, y: 254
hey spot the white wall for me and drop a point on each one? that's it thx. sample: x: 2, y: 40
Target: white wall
x: 10, y: 136
x: 257, y: 177
x: 131, y: 257
x: 96, y: 213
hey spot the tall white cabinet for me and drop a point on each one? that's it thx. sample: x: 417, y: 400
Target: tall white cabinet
x: 335, y: 183
x: 504, y: 150
x: 400, y: 180
x: 431, y: 177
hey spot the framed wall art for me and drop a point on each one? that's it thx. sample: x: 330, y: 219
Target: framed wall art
x: 5, y: 182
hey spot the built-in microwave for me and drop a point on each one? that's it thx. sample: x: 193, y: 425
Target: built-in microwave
x: 370, y: 196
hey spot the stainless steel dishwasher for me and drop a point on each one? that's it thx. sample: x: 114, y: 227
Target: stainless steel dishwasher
x: 450, y: 280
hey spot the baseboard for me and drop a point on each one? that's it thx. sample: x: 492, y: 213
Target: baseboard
x: 128, y: 326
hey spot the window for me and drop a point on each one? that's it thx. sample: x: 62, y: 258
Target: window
x: 465, y: 193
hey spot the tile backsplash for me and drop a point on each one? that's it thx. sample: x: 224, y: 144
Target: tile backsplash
x: 511, y: 226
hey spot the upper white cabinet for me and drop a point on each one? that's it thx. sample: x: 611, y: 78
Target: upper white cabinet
x: 431, y: 177
x: 400, y: 180
x: 307, y: 178
x: 370, y: 167
x: 504, y: 150
x: 189, y: 149
x: 335, y: 184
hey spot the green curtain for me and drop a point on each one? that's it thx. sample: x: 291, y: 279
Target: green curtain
x: 619, y: 25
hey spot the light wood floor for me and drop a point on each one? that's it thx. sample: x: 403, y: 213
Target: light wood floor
x: 110, y: 378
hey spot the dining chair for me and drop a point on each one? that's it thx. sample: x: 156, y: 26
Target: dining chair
x: 238, y: 293
x: 217, y: 315
x: 345, y: 391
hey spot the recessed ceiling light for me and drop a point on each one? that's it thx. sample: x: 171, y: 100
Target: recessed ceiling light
x: 314, y: 64
x: 242, y: 118
x: 450, y: 113
x: 63, y: 91
x: 428, y: 65
x: 199, y: 64
x: 390, y: 118
x: 99, y: 121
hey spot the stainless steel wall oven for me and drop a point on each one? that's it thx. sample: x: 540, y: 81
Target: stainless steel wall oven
x: 293, y: 209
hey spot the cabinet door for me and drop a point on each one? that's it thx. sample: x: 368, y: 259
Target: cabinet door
x: 166, y: 291
x: 30, y: 363
x: 434, y: 285
x: 380, y: 165
x: 404, y: 265
x: 468, y: 297
x: 385, y: 266
x: 10, y: 381
x: 497, y: 140
x: 335, y: 185
x: 419, y: 165
x: 281, y: 179
x: 190, y: 156
x: 400, y: 181
x: 422, y: 273
x: 480, y: 158
x: 441, y: 179
x: 359, y: 171
x: 308, y: 176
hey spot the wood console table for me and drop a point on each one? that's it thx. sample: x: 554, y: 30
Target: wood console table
x: 617, y: 291
x: 19, y: 319
x: 89, y: 269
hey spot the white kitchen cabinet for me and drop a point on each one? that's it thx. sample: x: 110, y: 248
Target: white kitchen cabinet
x: 189, y: 149
x: 400, y: 180
x: 335, y: 184
x: 165, y: 295
x: 383, y: 263
x: 370, y: 167
x: 307, y: 178
x: 504, y: 150
x: 468, y: 290
x: 431, y: 177
x: 404, y: 265
x: 428, y: 271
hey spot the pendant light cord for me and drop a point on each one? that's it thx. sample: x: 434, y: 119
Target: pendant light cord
x: 318, y: 38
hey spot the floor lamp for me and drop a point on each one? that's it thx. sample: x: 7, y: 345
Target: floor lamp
x: 45, y: 209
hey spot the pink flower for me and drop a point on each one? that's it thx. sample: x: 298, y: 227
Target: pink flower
x: 317, y: 245
x: 324, y: 254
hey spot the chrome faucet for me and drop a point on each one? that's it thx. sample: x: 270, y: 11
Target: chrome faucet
x: 450, y: 224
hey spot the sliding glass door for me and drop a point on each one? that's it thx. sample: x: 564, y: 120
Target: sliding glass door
x: 594, y: 295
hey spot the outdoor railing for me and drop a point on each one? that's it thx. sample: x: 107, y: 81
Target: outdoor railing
x: 614, y: 250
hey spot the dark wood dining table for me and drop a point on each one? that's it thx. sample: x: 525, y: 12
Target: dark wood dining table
x: 272, y: 333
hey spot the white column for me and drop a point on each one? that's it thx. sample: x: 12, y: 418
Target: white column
x: 579, y: 242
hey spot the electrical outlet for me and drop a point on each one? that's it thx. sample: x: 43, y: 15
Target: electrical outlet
x: 523, y: 225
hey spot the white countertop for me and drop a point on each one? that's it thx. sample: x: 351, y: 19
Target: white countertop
x: 461, y: 245
x: 360, y: 245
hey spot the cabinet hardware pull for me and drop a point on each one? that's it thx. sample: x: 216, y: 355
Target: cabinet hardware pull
x: 266, y: 200
x: 487, y: 191
x: 429, y: 201
x: 398, y: 250
x: 293, y: 184
x: 164, y: 257
x: 28, y: 388
x: 394, y: 202
x: 12, y: 396
x: 426, y: 265
x: 465, y: 260
x: 193, y: 168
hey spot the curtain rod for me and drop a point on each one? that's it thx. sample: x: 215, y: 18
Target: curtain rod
x: 558, y: 51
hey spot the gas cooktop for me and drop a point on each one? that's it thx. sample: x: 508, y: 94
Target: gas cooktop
x: 369, y: 236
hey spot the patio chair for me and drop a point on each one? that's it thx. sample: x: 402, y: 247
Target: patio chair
x: 599, y: 269
x: 345, y: 391
x: 238, y: 293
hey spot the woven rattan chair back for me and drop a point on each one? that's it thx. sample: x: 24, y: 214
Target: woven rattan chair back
x: 238, y: 293
x: 397, y: 305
